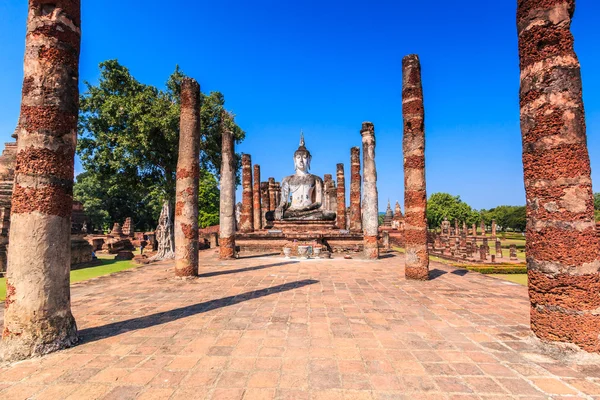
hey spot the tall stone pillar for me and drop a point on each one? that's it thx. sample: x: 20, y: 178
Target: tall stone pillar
x: 341, y: 197
x: 482, y: 227
x: 256, y: 199
x: 272, y: 194
x: 371, y: 199
x: 186, y: 191
x: 494, y: 228
x: 327, y: 184
x: 561, y: 244
x: 415, y: 196
x: 277, y: 194
x: 247, y: 215
x: 355, y: 195
x: 227, y: 206
x: 265, y: 202
x: 474, y: 229
x: 37, y: 317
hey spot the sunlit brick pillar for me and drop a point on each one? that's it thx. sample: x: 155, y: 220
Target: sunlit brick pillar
x: 415, y: 195
x: 341, y: 197
x: 355, y: 195
x: 256, y: 200
x: 247, y: 216
x: 371, y: 198
x: 272, y: 194
x: 227, y: 205
x: 37, y: 317
x: 561, y: 244
x: 186, y: 191
x: 265, y: 202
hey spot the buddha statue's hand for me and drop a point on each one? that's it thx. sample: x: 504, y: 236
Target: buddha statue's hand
x: 279, y: 213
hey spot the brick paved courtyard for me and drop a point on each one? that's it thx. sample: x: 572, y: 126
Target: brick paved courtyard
x: 270, y: 328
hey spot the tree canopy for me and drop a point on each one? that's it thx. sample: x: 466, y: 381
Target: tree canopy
x: 128, y: 142
x: 445, y: 205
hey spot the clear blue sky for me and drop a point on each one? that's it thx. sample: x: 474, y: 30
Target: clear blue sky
x: 327, y: 66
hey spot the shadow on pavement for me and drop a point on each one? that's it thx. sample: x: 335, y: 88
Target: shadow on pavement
x: 235, y: 271
x: 117, y: 328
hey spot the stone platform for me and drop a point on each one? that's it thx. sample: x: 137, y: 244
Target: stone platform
x: 273, y: 241
x: 268, y: 328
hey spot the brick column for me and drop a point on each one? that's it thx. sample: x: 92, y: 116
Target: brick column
x: 256, y: 200
x: 37, y: 317
x: 247, y: 215
x: 265, y: 202
x: 341, y: 197
x: 327, y: 185
x: 493, y: 228
x: 355, y: 195
x: 482, y: 227
x: 474, y: 229
x: 415, y: 196
x: 272, y: 194
x: 371, y: 199
x: 227, y: 206
x: 561, y: 244
x: 186, y: 191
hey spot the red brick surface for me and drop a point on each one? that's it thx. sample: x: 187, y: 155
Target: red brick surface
x: 271, y: 328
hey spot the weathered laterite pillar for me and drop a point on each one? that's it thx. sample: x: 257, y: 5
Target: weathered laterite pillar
x: 186, y: 191
x: 415, y: 196
x: 272, y: 194
x: 227, y: 206
x: 37, y: 317
x: 341, y: 197
x: 247, y: 216
x: 355, y: 195
x: 256, y: 200
x: 371, y: 199
x: 265, y: 202
x: 561, y: 244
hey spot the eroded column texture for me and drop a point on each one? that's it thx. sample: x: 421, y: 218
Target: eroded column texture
x: 355, y: 195
x: 37, y: 317
x: 186, y: 190
x: 370, y: 199
x: 341, y: 197
x: 265, y: 202
x: 272, y: 194
x: 247, y: 215
x: 561, y: 244
x: 415, y: 196
x: 256, y: 200
x: 227, y: 206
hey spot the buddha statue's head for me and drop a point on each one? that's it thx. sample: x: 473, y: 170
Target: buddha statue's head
x: 302, y: 156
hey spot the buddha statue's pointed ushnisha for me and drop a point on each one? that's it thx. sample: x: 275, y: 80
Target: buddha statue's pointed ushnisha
x: 302, y: 193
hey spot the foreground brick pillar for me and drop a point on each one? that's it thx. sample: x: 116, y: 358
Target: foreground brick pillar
x: 272, y: 194
x: 227, y: 206
x: 247, y: 215
x: 355, y: 195
x: 371, y: 198
x: 186, y: 191
x: 256, y: 200
x: 561, y: 244
x: 415, y: 196
x: 37, y: 317
x: 341, y: 197
x: 265, y: 202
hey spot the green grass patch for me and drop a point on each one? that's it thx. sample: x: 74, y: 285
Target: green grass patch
x: 109, y: 266
x: 521, y: 279
x: 495, y: 269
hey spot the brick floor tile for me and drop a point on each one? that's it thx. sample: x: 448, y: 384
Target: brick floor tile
x: 123, y: 393
x: 552, y: 386
x: 259, y: 394
x: 264, y: 379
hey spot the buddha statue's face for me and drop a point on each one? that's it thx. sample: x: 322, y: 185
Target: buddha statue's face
x: 302, y: 161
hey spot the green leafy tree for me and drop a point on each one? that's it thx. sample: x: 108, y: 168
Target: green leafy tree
x: 444, y: 205
x: 128, y: 141
x: 208, y: 200
x: 597, y: 206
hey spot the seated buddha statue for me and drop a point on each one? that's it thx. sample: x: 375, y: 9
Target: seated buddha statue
x: 306, y: 192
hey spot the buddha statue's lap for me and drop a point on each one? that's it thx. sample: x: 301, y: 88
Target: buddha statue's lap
x: 305, y: 190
